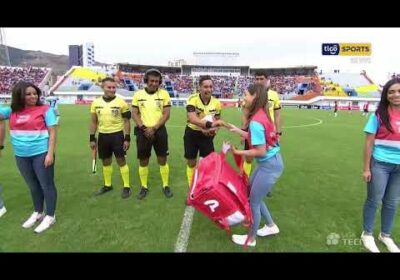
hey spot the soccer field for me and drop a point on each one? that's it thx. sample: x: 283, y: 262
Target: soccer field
x: 321, y: 192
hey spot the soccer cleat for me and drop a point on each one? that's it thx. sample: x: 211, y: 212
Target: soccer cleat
x: 103, y: 190
x: 143, y: 193
x: 126, y: 192
x: 47, y: 222
x: 167, y: 192
x: 3, y: 210
x: 35, y: 217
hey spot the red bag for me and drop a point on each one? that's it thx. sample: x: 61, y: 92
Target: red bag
x: 220, y: 193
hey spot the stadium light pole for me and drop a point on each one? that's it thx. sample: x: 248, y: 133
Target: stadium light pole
x: 4, y: 44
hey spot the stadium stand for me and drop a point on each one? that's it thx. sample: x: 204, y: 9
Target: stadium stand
x: 301, y: 83
x: 9, y: 76
x: 349, y: 84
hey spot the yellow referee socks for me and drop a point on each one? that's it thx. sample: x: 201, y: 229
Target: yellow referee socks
x: 189, y: 174
x: 143, y: 174
x: 247, y: 168
x: 107, y: 172
x: 125, y: 175
x: 164, y: 171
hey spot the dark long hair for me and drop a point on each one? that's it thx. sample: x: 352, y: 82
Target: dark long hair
x: 260, y: 100
x: 383, y: 106
x: 18, y: 95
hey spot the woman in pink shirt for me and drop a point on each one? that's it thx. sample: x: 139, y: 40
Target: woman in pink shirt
x: 33, y: 137
x: 382, y: 167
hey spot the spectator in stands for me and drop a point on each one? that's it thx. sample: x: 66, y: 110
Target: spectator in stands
x: 226, y: 85
x: 9, y: 76
x: 382, y: 167
x: 33, y: 136
x: 264, y: 147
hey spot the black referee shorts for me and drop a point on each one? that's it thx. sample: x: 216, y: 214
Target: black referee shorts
x: 144, y: 145
x: 110, y: 143
x: 195, y: 141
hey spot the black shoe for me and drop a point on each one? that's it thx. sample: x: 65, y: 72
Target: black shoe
x: 143, y: 193
x: 269, y: 194
x: 126, y: 192
x: 167, y: 192
x: 103, y: 190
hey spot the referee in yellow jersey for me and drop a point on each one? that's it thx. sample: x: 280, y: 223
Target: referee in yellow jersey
x: 150, y: 110
x: 203, y: 118
x: 111, y: 116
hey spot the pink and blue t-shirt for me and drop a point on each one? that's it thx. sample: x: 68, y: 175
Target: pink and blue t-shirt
x: 387, y: 144
x: 262, y: 132
x: 29, y: 129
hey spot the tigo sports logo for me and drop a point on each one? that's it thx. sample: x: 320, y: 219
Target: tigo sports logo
x: 354, y: 49
x: 347, y: 49
x: 330, y: 49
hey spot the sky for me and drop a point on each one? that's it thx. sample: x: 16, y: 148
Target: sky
x: 257, y: 47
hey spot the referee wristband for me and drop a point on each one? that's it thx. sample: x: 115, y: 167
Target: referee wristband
x: 127, y: 138
x: 92, y: 138
x: 208, y: 124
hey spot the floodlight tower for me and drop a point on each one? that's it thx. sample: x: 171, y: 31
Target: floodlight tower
x: 3, y: 43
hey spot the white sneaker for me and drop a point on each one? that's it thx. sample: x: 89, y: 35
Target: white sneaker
x: 241, y: 239
x: 3, y: 210
x: 369, y: 243
x: 391, y: 246
x: 266, y: 230
x: 45, y: 224
x: 35, y: 217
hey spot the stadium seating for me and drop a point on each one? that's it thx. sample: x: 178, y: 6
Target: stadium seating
x: 288, y: 86
x: 9, y: 76
x: 349, y: 84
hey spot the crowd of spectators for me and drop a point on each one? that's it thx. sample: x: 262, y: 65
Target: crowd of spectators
x: 9, y: 76
x: 226, y: 86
